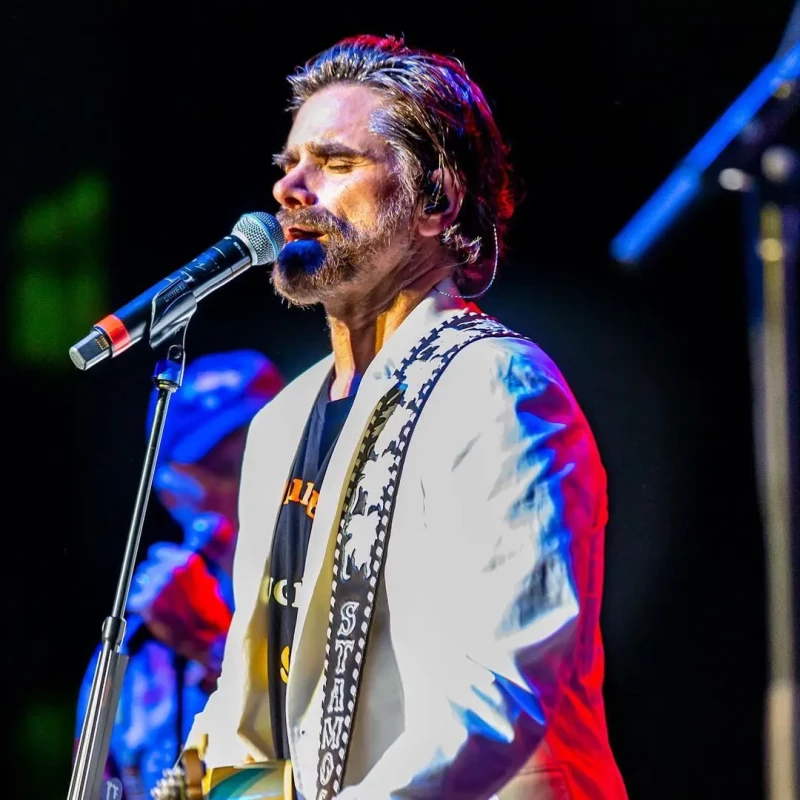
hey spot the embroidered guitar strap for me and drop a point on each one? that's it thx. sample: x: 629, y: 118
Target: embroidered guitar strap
x: 364, y: 526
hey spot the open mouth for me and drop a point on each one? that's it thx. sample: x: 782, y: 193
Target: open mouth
x: 296, y: 233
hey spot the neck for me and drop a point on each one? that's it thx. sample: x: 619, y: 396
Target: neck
x: 360, y: 330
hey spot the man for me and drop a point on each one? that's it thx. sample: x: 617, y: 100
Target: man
x: 180, y: 604
x: 483, y: 673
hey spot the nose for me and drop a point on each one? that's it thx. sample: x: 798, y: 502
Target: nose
x: 291, y: 190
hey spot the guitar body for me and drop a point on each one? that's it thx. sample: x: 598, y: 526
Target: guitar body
x: 271, y: 780
x: 251, y: 781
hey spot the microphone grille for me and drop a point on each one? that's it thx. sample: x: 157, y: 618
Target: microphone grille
x: 264, y: 235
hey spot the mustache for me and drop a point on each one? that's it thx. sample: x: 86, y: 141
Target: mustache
x: 317, y: 219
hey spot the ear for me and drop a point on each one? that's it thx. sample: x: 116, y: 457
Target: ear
x: 440, y: 204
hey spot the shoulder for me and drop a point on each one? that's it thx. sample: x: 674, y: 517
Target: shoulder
x: 505, y: 397
x: 503, y: 438
x: 504, y: 370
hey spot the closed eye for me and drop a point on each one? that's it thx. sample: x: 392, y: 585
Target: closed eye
x: 339, y: 166
x: 333, y: 156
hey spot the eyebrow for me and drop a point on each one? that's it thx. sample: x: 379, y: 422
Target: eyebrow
x: 290, y: 155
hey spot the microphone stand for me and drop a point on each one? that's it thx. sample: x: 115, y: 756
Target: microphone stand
x: 170, y: 317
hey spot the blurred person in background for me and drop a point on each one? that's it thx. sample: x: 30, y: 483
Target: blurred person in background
x: 181, y: 599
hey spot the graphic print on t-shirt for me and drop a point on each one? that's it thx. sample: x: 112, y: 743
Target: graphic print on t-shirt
x: 296, y: 494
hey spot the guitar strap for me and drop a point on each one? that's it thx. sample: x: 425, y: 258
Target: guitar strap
x: 364, y: 526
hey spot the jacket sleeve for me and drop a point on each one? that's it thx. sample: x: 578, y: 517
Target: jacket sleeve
x: 522, y: 482
x: 214, y: 731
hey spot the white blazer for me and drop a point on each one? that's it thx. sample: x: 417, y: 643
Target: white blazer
x: 484, y: 671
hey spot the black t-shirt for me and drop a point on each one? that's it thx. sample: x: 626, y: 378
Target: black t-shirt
x: 290, y: 545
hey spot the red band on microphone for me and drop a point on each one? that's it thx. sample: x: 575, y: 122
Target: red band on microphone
x: 117, y: 333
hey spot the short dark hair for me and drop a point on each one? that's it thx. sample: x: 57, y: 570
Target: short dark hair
x: 437, y: 118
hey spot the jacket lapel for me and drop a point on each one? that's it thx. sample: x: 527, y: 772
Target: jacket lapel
x: 308, y: 647
x: 277, y: 449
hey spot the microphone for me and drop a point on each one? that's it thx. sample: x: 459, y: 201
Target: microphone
x: 256, y: 239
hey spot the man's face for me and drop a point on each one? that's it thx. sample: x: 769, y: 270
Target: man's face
x: 344, y: 214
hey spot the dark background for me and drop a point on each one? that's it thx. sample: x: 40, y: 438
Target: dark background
x: 181, y: 113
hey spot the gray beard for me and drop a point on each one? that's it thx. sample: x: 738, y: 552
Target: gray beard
x: 310, y: 273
